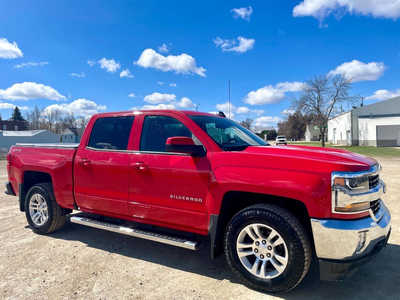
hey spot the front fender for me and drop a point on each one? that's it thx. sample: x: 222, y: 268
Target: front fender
x: 310, y: 188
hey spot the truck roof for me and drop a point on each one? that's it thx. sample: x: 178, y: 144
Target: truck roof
x: 130, y: 112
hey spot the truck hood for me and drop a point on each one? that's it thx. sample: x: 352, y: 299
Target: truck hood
x: 338, y: 159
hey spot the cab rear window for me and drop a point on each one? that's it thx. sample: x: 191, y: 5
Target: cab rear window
x: 111, y: 133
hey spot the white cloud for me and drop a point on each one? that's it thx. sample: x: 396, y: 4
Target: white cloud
x: 132, y: 95
x: 272, y: 94
x: 288, y: 112
x: 384, y: 95
x: 31, y: 64
x: 110, y: 65
x: 91, y: 63
x: 322, y: 8
x: 126, y: 73
x: 158, y: 106
x: 186, y: 103
x: 241, y: 45
x: 294, y: 86
x: 243, y: 110
x: 172, y: 84
x: 180, y: 64
x: 265, y: 122
x: 358, y: 71
x: 79, y: 108
x: 29, y: 91
x: 160, y: 82
x: 4, y: 105
x: 9, y: 50
x: 78, y: 75
x: 156, y: 98
x: 243, y: 12
x: 163, y: 48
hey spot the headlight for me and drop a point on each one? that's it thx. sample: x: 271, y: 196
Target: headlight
x: 353, y: 184
x: 351, y: 192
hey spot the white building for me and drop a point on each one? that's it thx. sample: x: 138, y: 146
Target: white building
x: 9, y: 138
x: 339, y: 129
x: 376, y: 124
x: 312, y: 133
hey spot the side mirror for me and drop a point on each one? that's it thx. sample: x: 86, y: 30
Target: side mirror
x: 182, y: 144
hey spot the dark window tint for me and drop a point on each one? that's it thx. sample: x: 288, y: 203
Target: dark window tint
x: 111, y: 133
x: 156, y: 131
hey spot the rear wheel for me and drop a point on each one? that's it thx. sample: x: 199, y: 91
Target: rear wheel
x: 42, y: 212
x: 268, y: 248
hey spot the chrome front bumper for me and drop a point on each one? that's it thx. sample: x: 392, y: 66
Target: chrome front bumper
x: 350, y: 239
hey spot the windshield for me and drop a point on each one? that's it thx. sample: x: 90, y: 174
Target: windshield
x: 229, y: 135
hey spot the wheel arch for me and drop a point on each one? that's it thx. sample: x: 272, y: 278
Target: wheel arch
x: 235, y: 201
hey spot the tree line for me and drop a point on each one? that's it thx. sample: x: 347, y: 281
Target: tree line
x: 54, y: 120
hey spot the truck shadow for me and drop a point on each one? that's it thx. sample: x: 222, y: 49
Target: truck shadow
x: 379, y: 279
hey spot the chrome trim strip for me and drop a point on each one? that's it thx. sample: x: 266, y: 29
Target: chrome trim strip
x: 137, y: 152
x: 349, y: 239
x: 349, y: 197
x: 49, y: 145
x: 178, y: 242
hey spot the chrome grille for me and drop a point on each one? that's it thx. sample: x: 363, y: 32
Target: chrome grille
x: 373, y: 181
x: 375, y: 206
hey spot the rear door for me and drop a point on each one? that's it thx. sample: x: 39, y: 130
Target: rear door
x: 102, y: 166
x: 169, y: 188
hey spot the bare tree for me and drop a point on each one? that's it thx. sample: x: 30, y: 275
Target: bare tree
x: 34, y: 118
x: 247, y: 123
x: 320, y: 99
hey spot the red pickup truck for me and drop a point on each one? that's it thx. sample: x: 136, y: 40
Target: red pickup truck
x: 189, y: 179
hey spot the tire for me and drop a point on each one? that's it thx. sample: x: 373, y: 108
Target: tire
x: 52, y: 218
x: 271, y: 275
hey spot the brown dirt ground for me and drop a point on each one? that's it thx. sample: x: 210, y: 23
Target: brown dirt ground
x: 80, y: 262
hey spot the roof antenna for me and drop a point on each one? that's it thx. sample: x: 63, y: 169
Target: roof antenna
x: 221, y: 114
x: 229, y: 98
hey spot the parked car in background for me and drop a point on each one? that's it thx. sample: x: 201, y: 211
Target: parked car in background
x: 281, y: 140
x: 186, y: 178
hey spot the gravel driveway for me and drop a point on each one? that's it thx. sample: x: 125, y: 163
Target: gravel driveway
x: 81, y: 262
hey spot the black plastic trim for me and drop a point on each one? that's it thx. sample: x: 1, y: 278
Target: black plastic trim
x: 9, y: 189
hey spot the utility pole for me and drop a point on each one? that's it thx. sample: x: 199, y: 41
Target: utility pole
x: 229, y: 99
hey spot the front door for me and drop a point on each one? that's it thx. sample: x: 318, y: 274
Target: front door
x: 169, y: 188
x: 102, y: 167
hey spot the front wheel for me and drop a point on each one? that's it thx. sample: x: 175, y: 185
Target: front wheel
x: 268, y: 248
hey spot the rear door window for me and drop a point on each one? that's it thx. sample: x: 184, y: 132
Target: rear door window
x: 111, y: 133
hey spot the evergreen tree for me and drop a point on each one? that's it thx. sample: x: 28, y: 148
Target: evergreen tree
x: 16, y: 116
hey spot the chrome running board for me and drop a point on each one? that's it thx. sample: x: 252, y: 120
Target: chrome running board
x: 161, y: 238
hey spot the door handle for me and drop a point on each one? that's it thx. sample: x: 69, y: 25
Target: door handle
x: 141, y: 166
x: 84, y: 162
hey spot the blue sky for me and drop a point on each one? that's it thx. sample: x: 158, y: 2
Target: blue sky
x: 69, y: 55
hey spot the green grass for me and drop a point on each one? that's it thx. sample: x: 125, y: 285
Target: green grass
x: 364, y: 150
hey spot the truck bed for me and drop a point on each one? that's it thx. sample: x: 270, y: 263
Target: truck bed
x: 32, y: 160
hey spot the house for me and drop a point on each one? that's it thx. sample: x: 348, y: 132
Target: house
x: 312, y: 133
x: 13, y: 125
x: 376, y: 125
x: 71, y: 135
